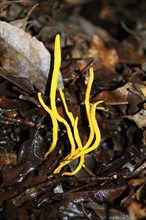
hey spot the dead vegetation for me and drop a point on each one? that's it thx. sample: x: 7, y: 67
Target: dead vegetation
x: 72, y: 114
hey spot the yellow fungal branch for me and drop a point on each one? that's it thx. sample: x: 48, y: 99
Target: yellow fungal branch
x: 77, y: 151
x: 54, y: 123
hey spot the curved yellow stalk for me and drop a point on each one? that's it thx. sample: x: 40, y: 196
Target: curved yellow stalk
x: 82, y: 153
x: 74, y: 123
x: 69, y: 158
x: 80, y: 147
x: 77, y: 136
x: 69, y: 114
x: 96, y: 131
x: 80, y: 165
x: 54, y: 123
x: 87, y: 106
x: 54, y: 81
x: 56, y: 69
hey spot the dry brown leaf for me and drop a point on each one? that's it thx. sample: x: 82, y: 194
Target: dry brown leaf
x: 7, y: 158
x: 21, y: 82
x: 129, y: 53
x: 24, y: 56
x: 108, y: 57
x: 136, y: 210
x: 22, y: 23
x: 116, y: 97
x: 120, y: 96
x: 3, y: 6
x: 139, y: 118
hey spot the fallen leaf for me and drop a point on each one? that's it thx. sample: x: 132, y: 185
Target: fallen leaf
x: 115, y: 97
x: 98, y: 49
x: 3, y: 5
x: 136, y: 210
x: 24, y: 56
x: 22, y: 23
x: 128, y: 53
x: 139, y: 118
x: 103, y: 193
x: 130, y: 93
x: 21, y: 82
x: 102, y: 213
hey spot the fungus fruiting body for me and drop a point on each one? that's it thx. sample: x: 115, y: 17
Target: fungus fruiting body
x: 77, y: 150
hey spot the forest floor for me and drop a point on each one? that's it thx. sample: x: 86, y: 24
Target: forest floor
x: 107, y: 179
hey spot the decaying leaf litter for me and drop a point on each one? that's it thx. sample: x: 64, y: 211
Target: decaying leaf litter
x: 110, y: 183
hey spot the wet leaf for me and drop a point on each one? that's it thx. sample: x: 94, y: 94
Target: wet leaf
x: 103, y: 194
x: 102, y: 213
x: 107, y: 193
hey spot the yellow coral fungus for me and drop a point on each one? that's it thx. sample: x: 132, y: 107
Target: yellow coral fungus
x: 77, y: 149
x: 54, y: 123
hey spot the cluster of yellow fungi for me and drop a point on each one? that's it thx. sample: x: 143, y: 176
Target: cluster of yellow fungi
x: 77, y: 149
